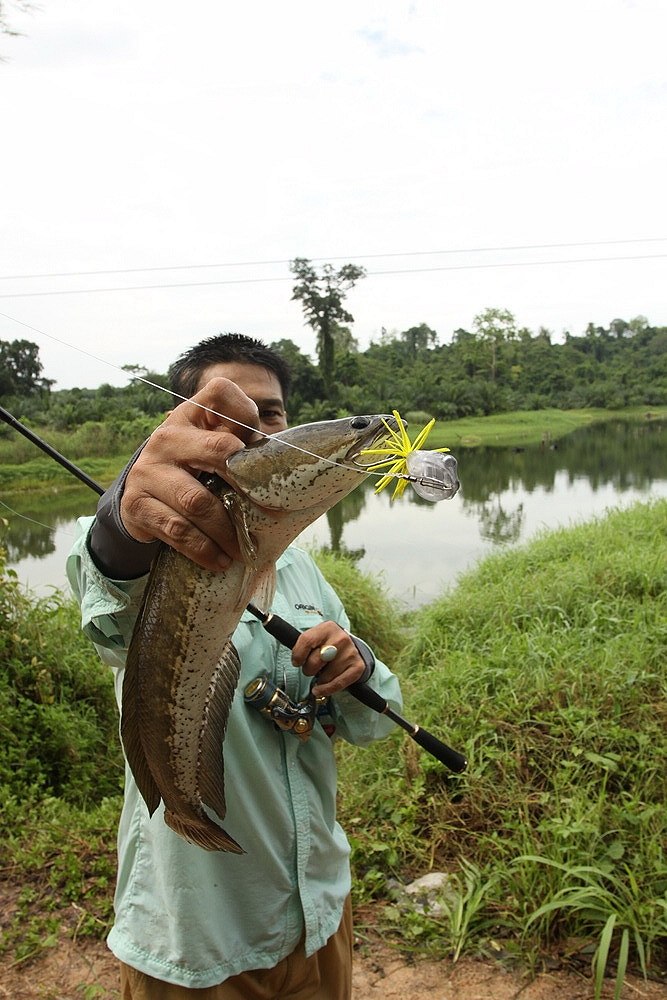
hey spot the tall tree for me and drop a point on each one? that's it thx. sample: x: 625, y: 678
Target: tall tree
x: 418, y: 338
x: 322, y: 296
x: 495, y: 327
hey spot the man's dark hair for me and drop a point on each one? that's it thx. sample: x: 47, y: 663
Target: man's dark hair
x: 186, y: 371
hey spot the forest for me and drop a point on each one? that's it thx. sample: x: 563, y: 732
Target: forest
x: 495, y: 367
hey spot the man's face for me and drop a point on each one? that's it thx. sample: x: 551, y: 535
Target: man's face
x: 260, y: 384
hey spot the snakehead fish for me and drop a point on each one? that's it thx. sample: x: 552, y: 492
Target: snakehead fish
x: 182, y: 668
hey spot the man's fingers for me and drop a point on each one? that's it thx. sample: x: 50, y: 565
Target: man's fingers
x: 221, y: 403
x: 177, y: 509
x: 173, y: 443
x: 334, y: 672
x: 163, y: 498
x: 184, y: 536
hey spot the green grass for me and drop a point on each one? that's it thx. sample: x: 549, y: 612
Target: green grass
x: 546, y: 666
x: 42, y: 476
x: 371, y: 610
x: 24, y: 467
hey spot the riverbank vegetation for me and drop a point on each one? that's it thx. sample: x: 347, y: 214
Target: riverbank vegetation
x: 102, y: 451
x: 545, y: 666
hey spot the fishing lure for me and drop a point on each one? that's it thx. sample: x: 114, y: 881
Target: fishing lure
x: 432, y: 474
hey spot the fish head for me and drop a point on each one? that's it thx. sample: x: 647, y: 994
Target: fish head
x: 308, y: 466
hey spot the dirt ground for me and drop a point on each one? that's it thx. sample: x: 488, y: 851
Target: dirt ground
x: 85, y: 970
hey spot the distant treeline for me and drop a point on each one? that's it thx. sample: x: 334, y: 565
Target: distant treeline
x: 495, y: 367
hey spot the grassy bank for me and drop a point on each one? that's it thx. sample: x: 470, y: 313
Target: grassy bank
x: 529, y: 427
x: 100, y: 449
x: 42, y: 476
x: 545, y: 665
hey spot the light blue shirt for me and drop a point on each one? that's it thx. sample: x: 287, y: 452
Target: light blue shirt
x: 194, y: 917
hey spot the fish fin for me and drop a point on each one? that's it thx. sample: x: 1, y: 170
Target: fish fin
x: 210, y: 769
x: 130, y: 733
x: 237, y: 514
x: 265, y: 587
x: 205, y: 834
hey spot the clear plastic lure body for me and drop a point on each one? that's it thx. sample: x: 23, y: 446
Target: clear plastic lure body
x: 433, y: 476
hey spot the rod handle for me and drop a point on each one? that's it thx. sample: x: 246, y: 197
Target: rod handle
x: 451, y: 759
x: 276, y: 626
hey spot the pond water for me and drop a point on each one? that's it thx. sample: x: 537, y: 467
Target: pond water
x: 419, y: 549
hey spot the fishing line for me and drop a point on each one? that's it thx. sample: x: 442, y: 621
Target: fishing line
x: 24, y: 517
x: 208, y: 409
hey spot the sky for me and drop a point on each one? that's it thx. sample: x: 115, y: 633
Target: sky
x: 162, y: 163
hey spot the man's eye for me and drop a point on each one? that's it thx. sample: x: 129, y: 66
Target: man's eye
x: 270, y: 416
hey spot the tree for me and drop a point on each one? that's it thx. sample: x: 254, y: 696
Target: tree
x: 620, y: 328
x: 143, y: 395
x: 306, y: 379
x: 495, y: 327
x: 468, y: 352
x: 322, y: 296
x: 418, y: 338
x: 21, y: 369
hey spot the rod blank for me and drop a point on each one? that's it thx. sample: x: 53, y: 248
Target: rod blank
x: 51, y: 452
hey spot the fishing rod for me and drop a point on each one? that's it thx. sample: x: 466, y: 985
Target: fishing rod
x: 276, y: 626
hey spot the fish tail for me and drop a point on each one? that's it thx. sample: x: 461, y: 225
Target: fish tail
x: 202, y: 833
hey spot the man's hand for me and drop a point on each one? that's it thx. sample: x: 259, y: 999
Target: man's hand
x: 333, y: 675
x: 163, y: 499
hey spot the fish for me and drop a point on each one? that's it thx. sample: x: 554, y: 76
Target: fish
x: 182, y: 668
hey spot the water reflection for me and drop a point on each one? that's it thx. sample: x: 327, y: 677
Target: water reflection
x: 626, y: 456
x: 419, y: 548
x: 499, y: 525
x: 617, y: 454
x: 507, y: 496
x: 34, y: 533
x: 348, y: 509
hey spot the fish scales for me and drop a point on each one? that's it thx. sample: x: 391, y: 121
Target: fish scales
x: 182, y: 668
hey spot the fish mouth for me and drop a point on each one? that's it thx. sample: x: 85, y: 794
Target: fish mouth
x: 379, y: 428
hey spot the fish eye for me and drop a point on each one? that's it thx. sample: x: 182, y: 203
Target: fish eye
x: 359, y: 423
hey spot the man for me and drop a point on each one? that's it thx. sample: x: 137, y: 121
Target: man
x: 276, y: 921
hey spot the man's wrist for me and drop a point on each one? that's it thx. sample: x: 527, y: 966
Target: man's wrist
x: 113, y: 550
